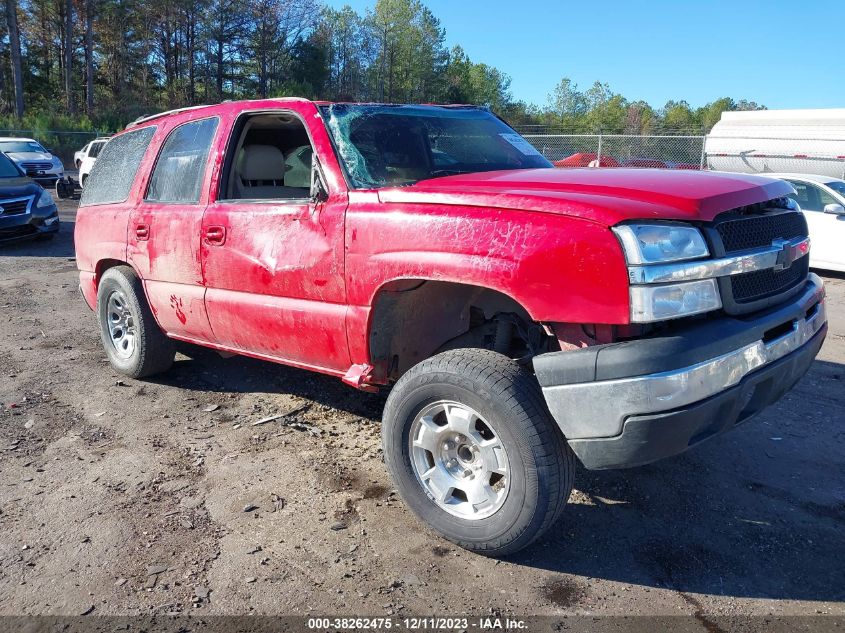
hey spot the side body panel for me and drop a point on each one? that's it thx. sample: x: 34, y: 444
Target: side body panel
x: 99, y: 235
x: 558, y: 268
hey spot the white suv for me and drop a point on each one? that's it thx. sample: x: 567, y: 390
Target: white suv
x: 91, y: 150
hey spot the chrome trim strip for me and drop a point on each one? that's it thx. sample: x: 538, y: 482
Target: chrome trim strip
x: 599, y: 409
x: 758, y: 259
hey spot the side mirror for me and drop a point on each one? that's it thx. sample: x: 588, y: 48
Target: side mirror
x: 318, y: 192
x: 834, y: 209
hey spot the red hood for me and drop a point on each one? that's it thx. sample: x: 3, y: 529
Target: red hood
x: 607, y: 196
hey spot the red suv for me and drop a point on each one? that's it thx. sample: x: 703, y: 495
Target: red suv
x: 523, y: 316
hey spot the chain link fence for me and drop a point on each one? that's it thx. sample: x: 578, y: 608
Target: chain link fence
x: 61, y: 143
x: 621, y: 150
x: 758, y: 155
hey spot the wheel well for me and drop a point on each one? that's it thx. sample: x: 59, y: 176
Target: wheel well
x: 103, y: 265
x: 413, y: 319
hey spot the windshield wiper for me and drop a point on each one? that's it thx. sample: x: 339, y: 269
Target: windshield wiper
x: 439, y: 173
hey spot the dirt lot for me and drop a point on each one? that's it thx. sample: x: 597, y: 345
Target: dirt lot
x: 128, y: 497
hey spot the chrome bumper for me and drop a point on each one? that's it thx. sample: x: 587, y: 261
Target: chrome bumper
x: 586, y: 408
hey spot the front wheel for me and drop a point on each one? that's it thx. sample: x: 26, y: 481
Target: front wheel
x: 474, y: 452
x: 134, y: 343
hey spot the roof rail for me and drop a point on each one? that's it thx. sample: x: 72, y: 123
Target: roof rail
x: 150, y: 117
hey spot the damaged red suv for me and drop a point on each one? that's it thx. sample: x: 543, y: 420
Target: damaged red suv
x: 524, y: 318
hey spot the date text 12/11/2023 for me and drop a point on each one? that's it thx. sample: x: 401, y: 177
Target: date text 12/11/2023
x: 488, y: 623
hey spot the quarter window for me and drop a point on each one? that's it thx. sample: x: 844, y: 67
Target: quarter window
x: 181, y: 165
x: 114, y: 172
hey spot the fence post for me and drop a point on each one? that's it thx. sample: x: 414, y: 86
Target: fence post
x: 703, y: 156
x: 598, y: 153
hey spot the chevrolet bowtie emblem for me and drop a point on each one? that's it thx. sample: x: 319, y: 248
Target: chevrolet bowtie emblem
x: 789, y: 252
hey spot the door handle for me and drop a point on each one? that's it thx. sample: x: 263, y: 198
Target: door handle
x: 142, y: 232
x: 215, y: 235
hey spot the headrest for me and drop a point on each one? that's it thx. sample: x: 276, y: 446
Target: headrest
x: 262, y: 162
x: 298, y: 173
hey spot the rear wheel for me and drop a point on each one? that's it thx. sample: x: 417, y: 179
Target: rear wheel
x: 474, y: 452
x: 134, y: 343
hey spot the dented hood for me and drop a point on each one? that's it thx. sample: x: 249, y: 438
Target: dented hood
x: 606, y: 196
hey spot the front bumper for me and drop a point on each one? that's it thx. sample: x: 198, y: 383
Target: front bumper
x: 29, y: 225
x: 631, y: 403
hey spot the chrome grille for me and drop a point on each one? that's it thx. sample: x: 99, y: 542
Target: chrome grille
x: 37, y: 166
x: 15, y: 206
x: 737, y: 232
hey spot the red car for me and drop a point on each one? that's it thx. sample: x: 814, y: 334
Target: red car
x: 524, y: 317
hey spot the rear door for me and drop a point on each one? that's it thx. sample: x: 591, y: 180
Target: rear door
x: 165, y: 227
x: 826, y: 230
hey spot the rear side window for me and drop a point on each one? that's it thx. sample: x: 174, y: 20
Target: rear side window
x: 181, y: 165
x: 114, y: 172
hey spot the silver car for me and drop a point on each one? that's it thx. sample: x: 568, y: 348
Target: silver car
x: 35, y: 161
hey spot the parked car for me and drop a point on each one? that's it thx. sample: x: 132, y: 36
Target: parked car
x: 525, y: 317
x: 26, y: 209
x: 35, y: 161
x: 85, y: 168
x: 91, y: 150
x: 822, y: 199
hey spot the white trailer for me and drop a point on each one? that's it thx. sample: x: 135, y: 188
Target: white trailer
x: 761, y: 141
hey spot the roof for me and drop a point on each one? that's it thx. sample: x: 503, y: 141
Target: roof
x: 809, y: 177
x: 17, y: 138
x: 144, y: 119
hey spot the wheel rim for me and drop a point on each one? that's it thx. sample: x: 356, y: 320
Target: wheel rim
x: 459, y: 460
x: 121, y: 323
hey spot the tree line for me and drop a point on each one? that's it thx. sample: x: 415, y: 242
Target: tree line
x: 80, y: 64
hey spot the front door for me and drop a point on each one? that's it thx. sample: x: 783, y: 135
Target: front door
x: 273, y: 256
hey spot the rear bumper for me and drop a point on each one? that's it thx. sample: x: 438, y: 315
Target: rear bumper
x: 627, y: 404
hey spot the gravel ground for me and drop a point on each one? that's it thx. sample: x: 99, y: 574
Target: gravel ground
x: 141, y: 497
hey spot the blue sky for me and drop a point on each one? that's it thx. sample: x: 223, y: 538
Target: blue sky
x: 781, y: 53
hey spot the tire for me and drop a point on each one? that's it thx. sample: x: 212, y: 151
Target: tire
x: 142, y: 349
x: 78, y: 164
x: 510, y: 410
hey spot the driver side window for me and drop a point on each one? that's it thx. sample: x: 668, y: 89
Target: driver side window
x: 269, y: 158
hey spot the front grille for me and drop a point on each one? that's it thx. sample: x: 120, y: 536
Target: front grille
x: 14, y: 207
x: 762, y: 284
x: 37, y: 166
x: 737, y: 232
x: 761, y: 230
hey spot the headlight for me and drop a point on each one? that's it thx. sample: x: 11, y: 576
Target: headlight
x: 45, y: 199
x: 660, y: 243
x: 670, y: 301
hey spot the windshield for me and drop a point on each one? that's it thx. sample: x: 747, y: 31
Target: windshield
x: 7, y: 168
x: 838, y: 186
x: 383, y: 145
x: 21, y: 146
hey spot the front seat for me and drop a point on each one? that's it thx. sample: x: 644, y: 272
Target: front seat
x: 260, y: 174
